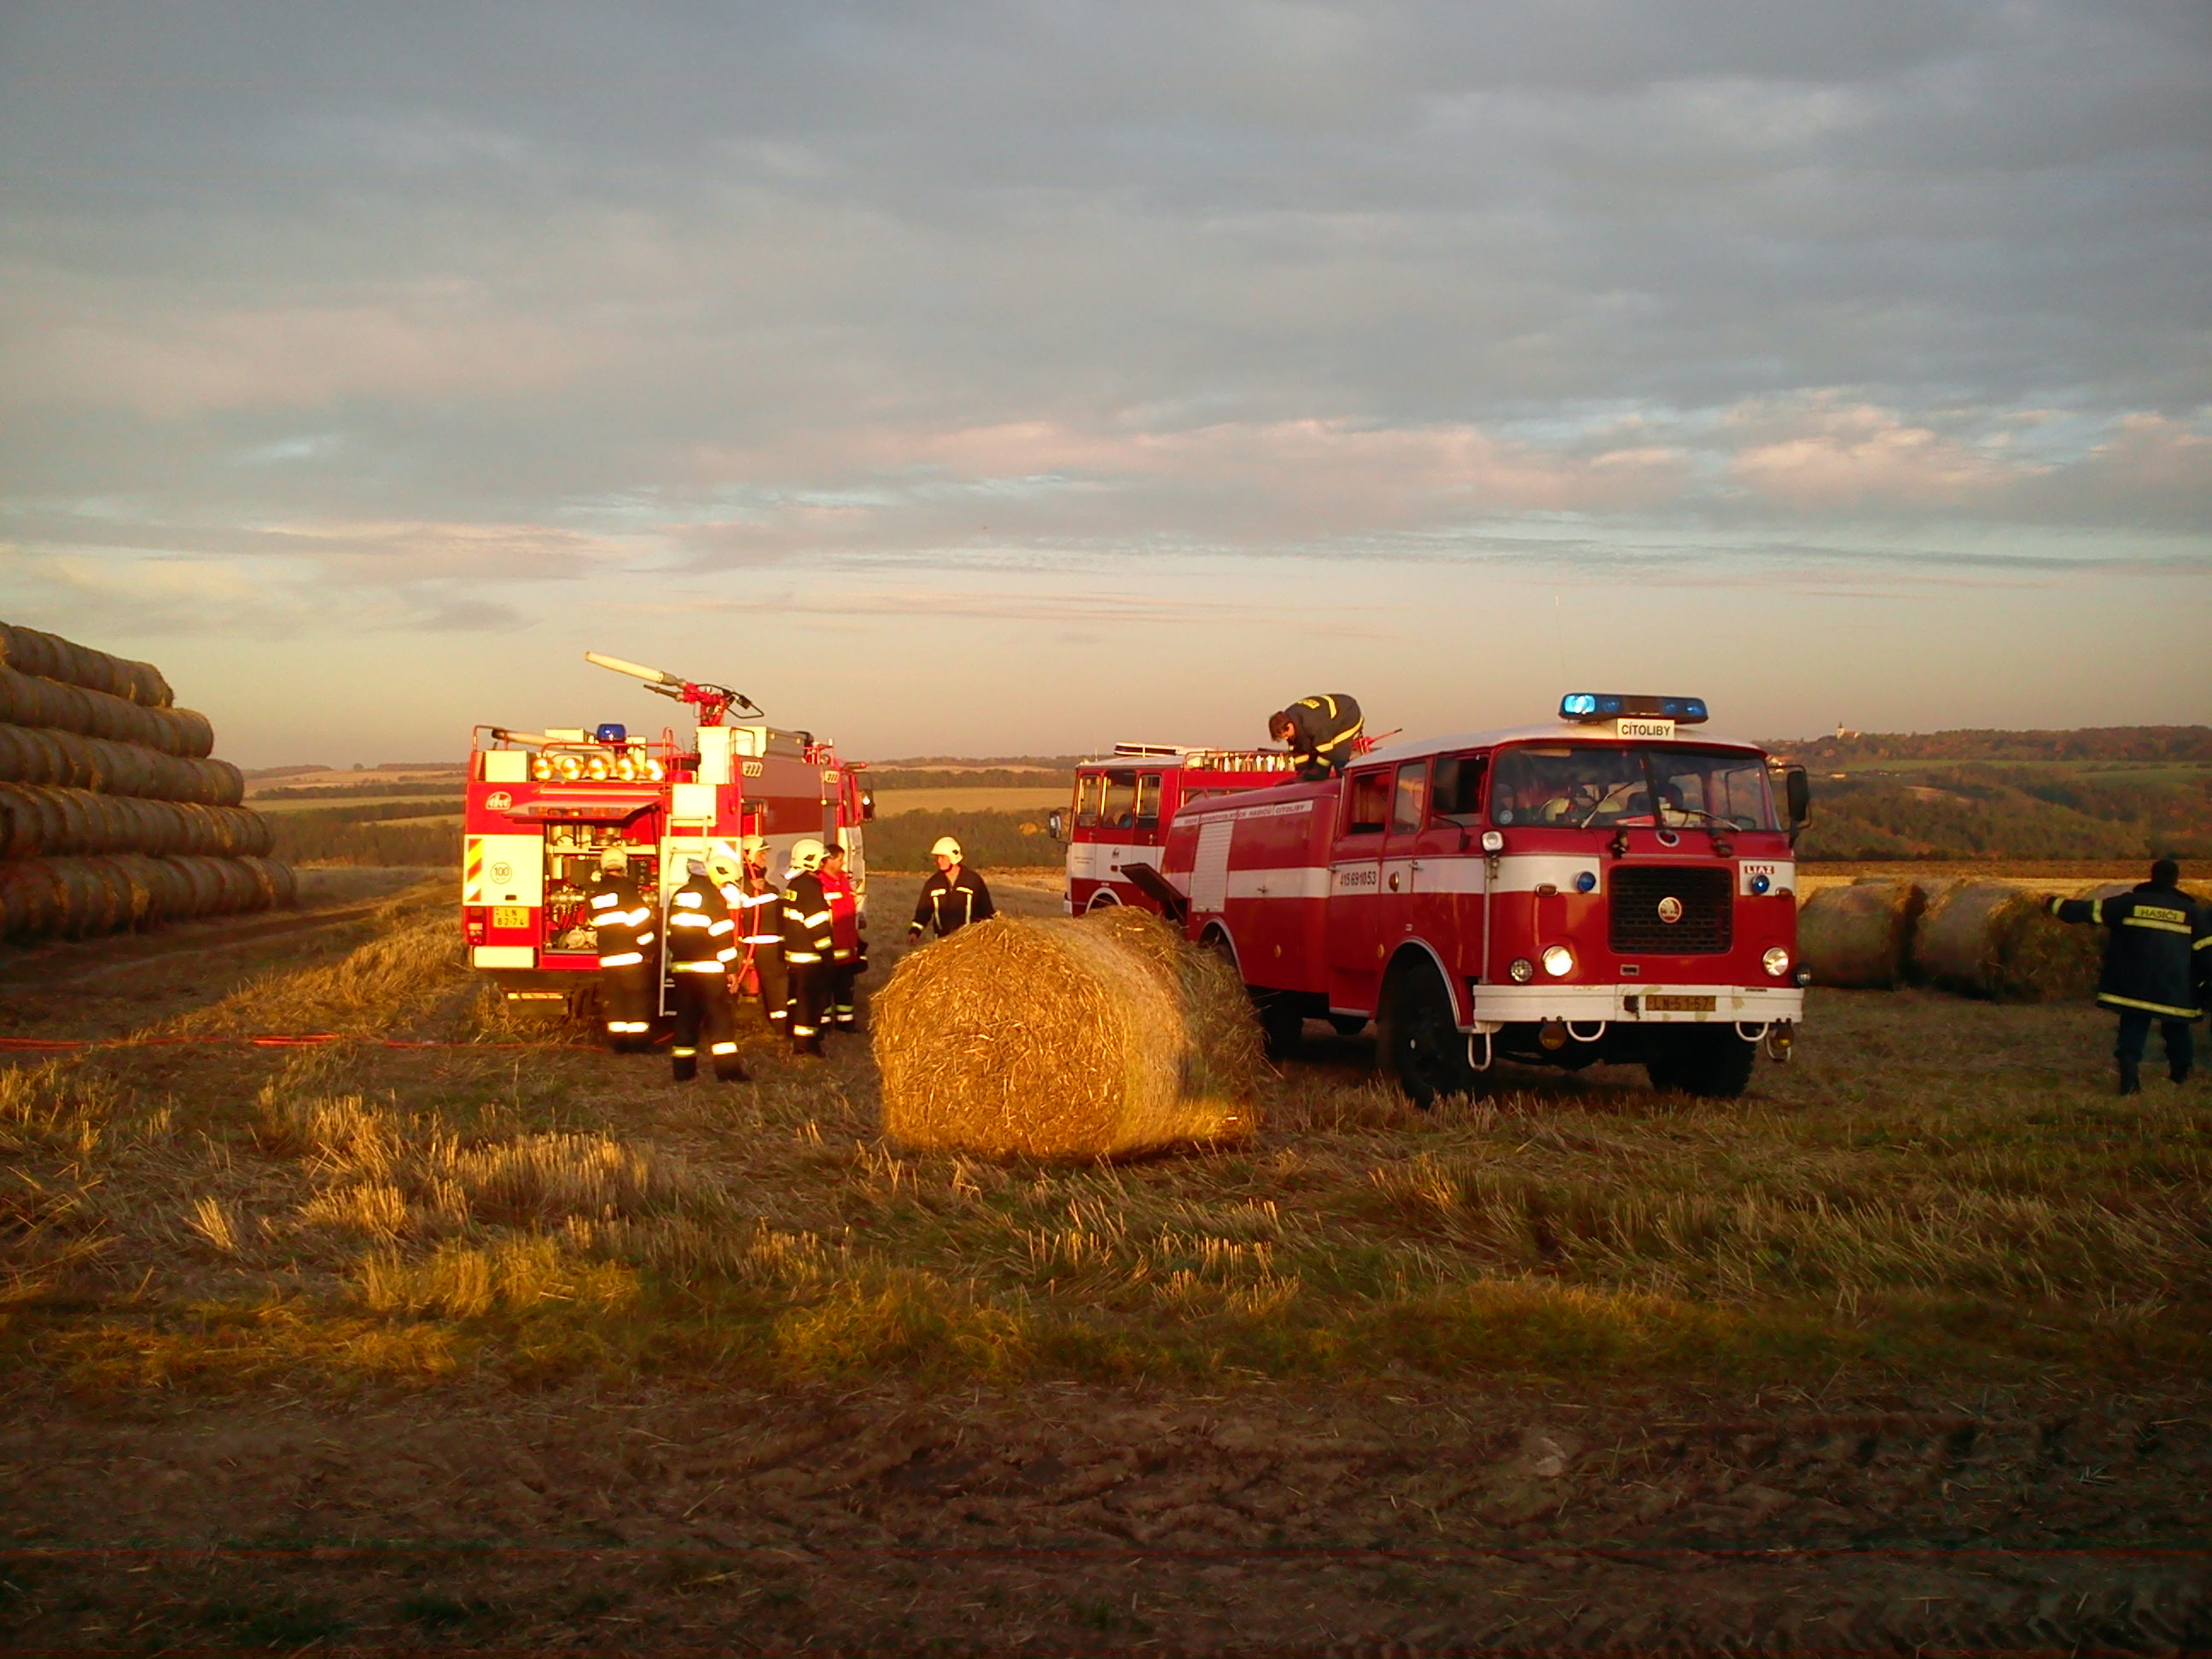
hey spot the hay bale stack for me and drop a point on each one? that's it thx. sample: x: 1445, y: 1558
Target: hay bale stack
x: 1991, y: 939
x: 111, y: 813
x: 1064, y: 1040
x: 1860, y: 937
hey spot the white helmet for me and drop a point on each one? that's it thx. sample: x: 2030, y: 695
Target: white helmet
x: 755, y: 849
x: 947, y: 848
x: 722, y: 867
x: 807, y: 855
x: 615, y: 857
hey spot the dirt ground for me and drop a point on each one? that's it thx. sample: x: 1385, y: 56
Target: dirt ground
x: 1416, y: 1516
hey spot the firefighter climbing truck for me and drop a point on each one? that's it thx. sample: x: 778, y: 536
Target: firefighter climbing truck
x: 1126, y: 804
x: 543, y: 806
x: 1616, y: 888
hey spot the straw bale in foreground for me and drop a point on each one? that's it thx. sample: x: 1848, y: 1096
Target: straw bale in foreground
x: 1859, y: 937
x: 1060, y: 1040
x: 1991, y: 939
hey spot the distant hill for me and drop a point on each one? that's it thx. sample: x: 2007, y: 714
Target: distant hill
x: 2088, y: 742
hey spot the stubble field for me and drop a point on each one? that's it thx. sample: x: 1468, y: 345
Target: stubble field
x: 503, y: 1343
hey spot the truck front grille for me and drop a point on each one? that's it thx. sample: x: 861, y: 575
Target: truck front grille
x: 1701, y: 899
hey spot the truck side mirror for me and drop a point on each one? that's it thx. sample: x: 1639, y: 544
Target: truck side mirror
x: 868, y: 806
x: 1798, y: 792
x: 1055, y: 825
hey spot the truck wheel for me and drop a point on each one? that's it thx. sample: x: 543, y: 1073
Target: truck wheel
x: 1102, y: 899
x: 1282, y: 1023
x: 1418, y: 1038
x: 1710, y: 1062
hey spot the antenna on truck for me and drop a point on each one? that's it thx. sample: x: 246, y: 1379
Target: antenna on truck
x: 712, y: 701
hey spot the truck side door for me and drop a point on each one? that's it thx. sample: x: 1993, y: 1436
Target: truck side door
x: 1355, y: 890
x: 1401, y: 913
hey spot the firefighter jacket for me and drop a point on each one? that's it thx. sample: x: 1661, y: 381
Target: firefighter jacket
x: 756, y: 906
x: 701, y: 938
x: 844, y: 916
x: 2158, y: 949
x: 1326, y: 722
x: 806, y: 933
x: 949, y: 902
x: 621, y: 922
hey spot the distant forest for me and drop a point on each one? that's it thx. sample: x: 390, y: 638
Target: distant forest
x: 2090, y: 742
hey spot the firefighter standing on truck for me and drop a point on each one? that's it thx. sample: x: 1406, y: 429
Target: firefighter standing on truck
x: 2158, y: 956
x: 757, y: 909
x: 1320, y: 732
x: 629, y: 965
x: 702, y: 947
x: 951, y: 898
x: 808, y: 944
x: 848, y: 953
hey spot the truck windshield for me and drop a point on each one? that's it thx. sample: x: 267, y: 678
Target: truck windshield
x: 1571, y: 786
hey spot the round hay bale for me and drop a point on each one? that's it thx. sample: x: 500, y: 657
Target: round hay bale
x: 1859, y: 937
x: 1991, y: 939
x: 1952, y: 949
x: 1227, y: 1053
x: 1053, y: 1040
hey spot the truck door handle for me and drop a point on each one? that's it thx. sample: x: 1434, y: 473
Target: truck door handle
x: 1394, y: 881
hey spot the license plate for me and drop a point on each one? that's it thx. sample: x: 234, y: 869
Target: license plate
x: 1667, y: 1004
x: 510, y: 916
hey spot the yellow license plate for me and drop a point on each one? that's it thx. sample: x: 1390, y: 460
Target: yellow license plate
x: 514, y: 915
x: 1666, y: 1005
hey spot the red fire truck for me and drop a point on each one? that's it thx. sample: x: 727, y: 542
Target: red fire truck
x: 542, y: 806
x: 1617, y: 887
x: 1126, y: 803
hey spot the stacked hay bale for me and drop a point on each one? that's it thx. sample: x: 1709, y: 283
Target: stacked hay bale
x: 111, y: 814
x: 1860, y: 937
x: 1066, y: 1039
x: 1991, y: 939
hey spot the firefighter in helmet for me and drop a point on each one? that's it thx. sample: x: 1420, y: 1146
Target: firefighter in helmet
x: 757, y: 907
x: 629, y: 959
x: 951, y: 898
x: 808, y: 944
x: 2158, y: 957
x: 1320, y: 732
x: 848, y: 953
x: 702, y: 947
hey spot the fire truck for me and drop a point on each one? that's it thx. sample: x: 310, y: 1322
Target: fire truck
x: 543, y: 806
x: 1618, y: 887
x: 1126, y: 803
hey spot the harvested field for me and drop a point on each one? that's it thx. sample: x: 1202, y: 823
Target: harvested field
x: 507, y: 1343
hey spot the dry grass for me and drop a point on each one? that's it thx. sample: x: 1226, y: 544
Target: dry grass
x: 1937, y: 1188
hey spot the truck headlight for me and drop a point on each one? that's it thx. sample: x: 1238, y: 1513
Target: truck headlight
x: 1559, y: 960
x: 1776, y: 961
x: 1522, y: 971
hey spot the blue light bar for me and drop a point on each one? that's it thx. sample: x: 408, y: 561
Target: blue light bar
x: 613, y: 734
x: 1588, y: 707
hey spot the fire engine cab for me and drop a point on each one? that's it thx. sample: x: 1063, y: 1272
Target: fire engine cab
x: 543, y: 806
x: 1618, y: 887
x: 1126, y: 804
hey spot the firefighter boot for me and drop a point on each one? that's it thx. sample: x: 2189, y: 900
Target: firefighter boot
x: 2130, y: 1078
x: 684, y: 1065
x: 2178, y: 1070
x: 728, y: 1068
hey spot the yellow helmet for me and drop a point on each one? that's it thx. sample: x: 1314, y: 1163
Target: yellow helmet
x: 808, y: 853
x: 722, y: 869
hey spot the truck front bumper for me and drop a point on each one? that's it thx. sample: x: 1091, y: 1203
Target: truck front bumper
x: 1496, y: 1005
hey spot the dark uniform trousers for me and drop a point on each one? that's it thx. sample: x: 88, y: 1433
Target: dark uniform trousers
x: 2157, y: 948
x: 760, y: 930
x: 629, y: 961
x: 1328, y: 724
x: 701, y: 950
x: 807, y: 949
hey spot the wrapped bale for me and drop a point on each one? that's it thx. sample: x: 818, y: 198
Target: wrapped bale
x: 1991, y: 939
x: 1061, y: 1040
x: 1859, y: 937
x: 29, y: 650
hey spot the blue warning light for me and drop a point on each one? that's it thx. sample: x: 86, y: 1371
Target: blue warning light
x: 611, y: 732
x: 1589, y: 707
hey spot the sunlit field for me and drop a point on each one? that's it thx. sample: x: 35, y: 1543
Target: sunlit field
x: 1937, y: 1200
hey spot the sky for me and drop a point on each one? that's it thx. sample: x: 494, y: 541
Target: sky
x: 993, y: 379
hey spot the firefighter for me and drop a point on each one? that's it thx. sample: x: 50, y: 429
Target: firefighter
x: 700, y: 947
x: 951, y: 898
x: 629, y: 961
x: 848, y: 955
x: 2158, y: 955
x: 757, y: 907
x: 1320, y: 732
x: 808, y: 944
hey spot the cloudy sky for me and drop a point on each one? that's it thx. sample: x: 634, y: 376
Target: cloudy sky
x: 983, y: 379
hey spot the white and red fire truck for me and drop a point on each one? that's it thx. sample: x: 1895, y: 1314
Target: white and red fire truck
x: 1615, y: 888
x: 1126, y: 803
x: 542, y: 806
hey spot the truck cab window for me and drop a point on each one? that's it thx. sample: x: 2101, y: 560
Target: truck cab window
x: 1367, y: 803
x: 1570, y: 787
x: 1090, y: 789
x: 1458, y: 793
x: 1119, y: 810
x: 1405, y: 798
x: 1706, y: 788
x: 1148, y: 800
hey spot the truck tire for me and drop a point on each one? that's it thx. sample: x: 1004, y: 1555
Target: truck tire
x: 1712, y: 1062
x: 1418, y: 1040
